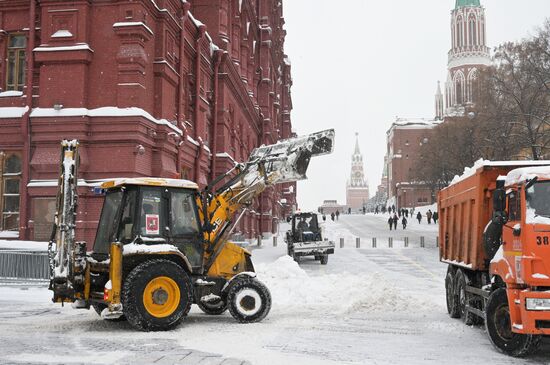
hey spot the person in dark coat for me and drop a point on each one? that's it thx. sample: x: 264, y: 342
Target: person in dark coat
x: 419, y: 217
x: 324, y: 217
x: 332, y: 216
x: 337, y: 214
x: 390, y: 222
x: 395, y: 220
x: 404, y: 222
x: 429, y: 216
x: 435, y: 217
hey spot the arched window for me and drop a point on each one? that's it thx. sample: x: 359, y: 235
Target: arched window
x: 473, y: 31
x: 460, y: 35
x: 10, y: 178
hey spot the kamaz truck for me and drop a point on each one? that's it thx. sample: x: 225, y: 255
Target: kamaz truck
x: 495, y: 238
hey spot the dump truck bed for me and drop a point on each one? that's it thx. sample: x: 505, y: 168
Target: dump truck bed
x: 465, y: 208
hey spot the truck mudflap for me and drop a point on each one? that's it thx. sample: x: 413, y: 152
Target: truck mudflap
x: 313, y: 248
x: 529, y: 311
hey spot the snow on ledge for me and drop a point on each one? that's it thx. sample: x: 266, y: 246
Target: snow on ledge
x: 132, y: 24
x: 78, y: 47
x: 62, y: 33
x: 13, y: 112
x: 108, y: 111
x: 10, y: 93
x: 9, y: 234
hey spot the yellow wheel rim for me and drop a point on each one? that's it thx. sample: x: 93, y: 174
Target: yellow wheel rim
x: 161, y: 297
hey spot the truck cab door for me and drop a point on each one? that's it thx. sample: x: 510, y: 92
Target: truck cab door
x: 511, y: 232
x: 184, y: 226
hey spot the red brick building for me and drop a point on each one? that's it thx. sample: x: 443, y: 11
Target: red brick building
x: 404, y: 142
x: 150, y: 88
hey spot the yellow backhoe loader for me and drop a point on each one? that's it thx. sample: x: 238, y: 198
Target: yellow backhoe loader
x: 162, y: 244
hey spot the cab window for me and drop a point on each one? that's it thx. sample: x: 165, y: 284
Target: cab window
x: 183, y: 218
x: 514, y: 207
x: 151, y: 219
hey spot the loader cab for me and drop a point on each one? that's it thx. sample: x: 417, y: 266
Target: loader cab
x: 305, y: 227
x: 151, y: 212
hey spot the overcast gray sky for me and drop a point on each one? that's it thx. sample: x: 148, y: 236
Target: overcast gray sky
x: 357, y: 64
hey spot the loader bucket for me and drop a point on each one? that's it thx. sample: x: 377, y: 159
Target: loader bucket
x: 288, y: 160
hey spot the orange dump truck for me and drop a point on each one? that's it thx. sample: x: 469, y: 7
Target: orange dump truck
x: 495, y: 237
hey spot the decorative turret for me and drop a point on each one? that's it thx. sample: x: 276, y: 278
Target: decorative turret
x: 468, y: 55
x: 439, y: 108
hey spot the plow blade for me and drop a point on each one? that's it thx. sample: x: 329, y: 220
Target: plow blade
x: 288, y: 160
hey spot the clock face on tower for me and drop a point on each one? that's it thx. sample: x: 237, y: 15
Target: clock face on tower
x: 357, y: 174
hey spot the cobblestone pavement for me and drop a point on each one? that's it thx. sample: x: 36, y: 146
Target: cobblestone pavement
x: 43, y: 333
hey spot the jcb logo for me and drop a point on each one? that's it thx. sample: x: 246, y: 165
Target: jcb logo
x: 542, y: 240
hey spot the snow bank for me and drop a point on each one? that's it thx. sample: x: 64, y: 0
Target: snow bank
x: 294, y: 291
x: 23, y: 245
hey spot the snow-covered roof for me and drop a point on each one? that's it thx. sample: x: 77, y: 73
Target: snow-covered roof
x: 414, y: 123
x: 151, y: 181
x: 481, y: 163
x: 521, y: 175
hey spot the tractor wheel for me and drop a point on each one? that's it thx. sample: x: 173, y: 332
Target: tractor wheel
x: 463, y: 298
x: 452, y: 300
x: 249, y: 300
x: 324, y: 259
x: 214, y: 309
x: 499, y: 328
x: 99, y: 307
x: 156, y: 295
x: 317, y: 257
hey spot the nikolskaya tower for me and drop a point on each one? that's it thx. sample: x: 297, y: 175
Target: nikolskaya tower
x: 469, y: 54
x: 357, y: 189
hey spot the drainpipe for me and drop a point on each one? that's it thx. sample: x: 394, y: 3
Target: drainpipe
x: 202, y: 31
x: 26, y: 129
x: 181, y: 88
x: 218, y: 56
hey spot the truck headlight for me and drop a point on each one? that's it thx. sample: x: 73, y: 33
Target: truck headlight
x: 537, y: 304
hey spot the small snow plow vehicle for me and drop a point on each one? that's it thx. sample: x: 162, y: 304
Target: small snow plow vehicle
x: 161, y: 244
x: 305, y: 238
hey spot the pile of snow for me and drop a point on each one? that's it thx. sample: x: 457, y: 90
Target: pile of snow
x: 519, y: 176
x: 294, y: 291
x: 470, y: 171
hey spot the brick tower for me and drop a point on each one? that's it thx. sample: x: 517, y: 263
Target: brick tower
x: 468, y: 55
x: 357, y: 191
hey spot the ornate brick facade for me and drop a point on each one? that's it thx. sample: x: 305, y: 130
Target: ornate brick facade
x: 150, y: 88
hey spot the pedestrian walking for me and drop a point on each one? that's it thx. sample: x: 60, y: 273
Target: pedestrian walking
x: 419, y: 217
x: 404, y: 222
x: 332, y: 216
x: 324, y: 218
x: 395, y: 220
x: 337, y: 214
x: 406, y: 213
x: 429, y: 216
x: 390, y: 222
x: 435, y: 217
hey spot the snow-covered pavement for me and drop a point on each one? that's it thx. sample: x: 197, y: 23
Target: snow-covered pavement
x: 367, y: 306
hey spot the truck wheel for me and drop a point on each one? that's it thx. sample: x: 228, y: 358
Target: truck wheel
x: 156, y: 295
x: 452, y: 301
x: 324, y: 259
x: 213, y: 309
x: 499, y: 327
x: 99, y: 307
x: 463, y: 298
x: 249, y: 300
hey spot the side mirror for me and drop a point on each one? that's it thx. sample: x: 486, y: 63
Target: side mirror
x: 517, y: 231
x: 499, y: 200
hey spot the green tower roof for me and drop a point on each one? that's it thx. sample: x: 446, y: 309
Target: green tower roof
x: 464, y: 3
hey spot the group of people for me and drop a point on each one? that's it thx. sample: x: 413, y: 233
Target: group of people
x: 332, y: 216
x: 403, y: 214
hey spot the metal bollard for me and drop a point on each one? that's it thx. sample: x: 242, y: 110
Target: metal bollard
x: 374, y: 242
x: 358, y: 242
x: 341, y: 243
x: 274, y: 241
x: 390, y: 242
x: 406, y: 241
x: 422, y: 242
x: 437, y: 242
x: 259, y: 241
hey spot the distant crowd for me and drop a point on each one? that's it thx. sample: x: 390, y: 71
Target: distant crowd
x: 403, y: 215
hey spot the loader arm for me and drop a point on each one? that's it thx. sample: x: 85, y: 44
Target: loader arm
x: 67, y: 263
x: 283, y: 162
